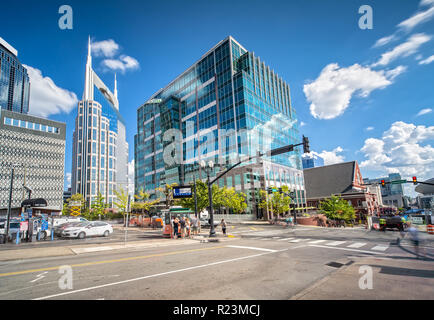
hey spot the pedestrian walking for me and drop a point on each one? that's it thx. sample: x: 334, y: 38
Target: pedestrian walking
x: 414, y: 236
x: 223, y: 224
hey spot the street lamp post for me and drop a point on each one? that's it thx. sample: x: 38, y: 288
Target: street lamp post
x: 211, y: 214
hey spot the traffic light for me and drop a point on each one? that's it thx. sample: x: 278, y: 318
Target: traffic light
x: 306, y: 148
x: 415, y: 180
x: 383, y: 183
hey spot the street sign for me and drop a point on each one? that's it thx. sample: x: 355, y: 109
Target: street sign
x: 24, y: 225
x: 44, y: 225
x: 75, y: 211
x: 75, y: 203
x: 29, y: 212
x: 398, y: 181
x: 182, y: 192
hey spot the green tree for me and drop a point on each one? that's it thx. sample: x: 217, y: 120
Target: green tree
x: 336, y: 208
x: 143, y: 204
x: 221, y: 198
x: 99, y: 206
x: 168, y: 193
x: 122, y: 203
x: 277, y: 203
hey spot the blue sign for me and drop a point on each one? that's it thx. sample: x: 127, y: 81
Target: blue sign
x: 29, y: 212
x: 44, y: 225
x: 182, y: 192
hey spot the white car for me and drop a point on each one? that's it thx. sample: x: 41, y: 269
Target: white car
x: 88, y: 229
x: 62, y: 220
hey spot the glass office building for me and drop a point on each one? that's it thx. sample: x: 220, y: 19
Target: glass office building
x: 100, y: 150
x: 227, y: 106
x: 311, y: 160
x: 14, y: 81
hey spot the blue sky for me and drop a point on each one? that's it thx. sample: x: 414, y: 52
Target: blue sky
x: 357, y: 100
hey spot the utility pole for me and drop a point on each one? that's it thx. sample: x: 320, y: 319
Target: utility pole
x: 9, y: 205
x: 195, y: 198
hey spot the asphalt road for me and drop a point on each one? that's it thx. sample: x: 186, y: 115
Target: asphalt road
x: 261, y: 262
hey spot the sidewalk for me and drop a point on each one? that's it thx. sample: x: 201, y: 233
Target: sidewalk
x: 395, y: 278
x: 32, y: 253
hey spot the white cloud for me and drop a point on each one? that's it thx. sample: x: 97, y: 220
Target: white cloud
x: 131, y: 177
x: 418, y: 18
x: 302, y: 124
x: 46, y: 98
x: 369, y: 128
x: 404, y: 49
x: 385, y: 40
x: 331, y: 92
x: 123, y: 63
x: 427, y: 60
x: 106, y: 48
x: 424, y: 111
x: 400, y: 150
x: 330, y: 157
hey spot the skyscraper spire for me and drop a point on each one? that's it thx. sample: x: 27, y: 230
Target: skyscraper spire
x: 116, y: 88
x: 88, y: 83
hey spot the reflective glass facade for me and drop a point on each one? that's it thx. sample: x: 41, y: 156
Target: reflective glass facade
x: 228, y: 105
x: 14, y: 83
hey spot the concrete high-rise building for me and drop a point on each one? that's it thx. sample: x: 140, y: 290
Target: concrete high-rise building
x: 392, y: 194
x: 14, y: 81
x: 225, y: 107
x: 35, y: 147
x: 100, y: 150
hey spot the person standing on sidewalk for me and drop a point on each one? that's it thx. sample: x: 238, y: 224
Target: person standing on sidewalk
x: 223, y: 224
x: 176, y: 228
x: 183, y: 225
x: 194, y: 225
x: 188, y: 227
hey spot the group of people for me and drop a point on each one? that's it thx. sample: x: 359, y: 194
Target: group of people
x: 184, y: 227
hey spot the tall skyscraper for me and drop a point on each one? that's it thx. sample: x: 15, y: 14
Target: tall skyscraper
x: 100, y: 150
x: 227, y: 106
x: 311, y: 160
x: 14, y: 81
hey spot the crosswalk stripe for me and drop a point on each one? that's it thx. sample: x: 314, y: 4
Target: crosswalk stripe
x: 380, y: 247
x: 335, y: 243
x: 317, y: 241
x: 357, y: 245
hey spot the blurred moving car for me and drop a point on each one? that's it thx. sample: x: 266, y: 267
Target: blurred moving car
x: 59, y: 228
x: 87, y: 229
x: 14, y: 227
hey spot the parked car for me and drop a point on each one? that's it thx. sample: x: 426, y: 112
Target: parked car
x: 14, y: 227
x: 87, y: 229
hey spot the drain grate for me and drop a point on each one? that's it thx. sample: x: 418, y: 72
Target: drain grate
x: 334, y: 264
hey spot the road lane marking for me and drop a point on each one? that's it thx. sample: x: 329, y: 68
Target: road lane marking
x: 336, y: 248
x: 285, y: 239
x: 357, y: 245
x: 155, y: 275
x: 317, y: 241
x: 380, y: 247
x: 276, y: 237
x: 335, y: 243
x: 296, y: 240
x: 253, y: 248
x: 39, y: 276
x: 109, y: 261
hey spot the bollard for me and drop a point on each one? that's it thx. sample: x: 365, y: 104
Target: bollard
x: 52, y: 234
x: 39, y: 235
x: 17, y: 241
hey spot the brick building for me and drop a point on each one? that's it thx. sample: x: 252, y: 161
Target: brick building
x: 344, y: 180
